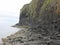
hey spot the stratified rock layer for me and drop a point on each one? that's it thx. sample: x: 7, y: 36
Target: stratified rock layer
x: 42, y: 19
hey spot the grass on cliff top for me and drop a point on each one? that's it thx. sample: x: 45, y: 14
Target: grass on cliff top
x: 33, y: 6
x: 46, y: 2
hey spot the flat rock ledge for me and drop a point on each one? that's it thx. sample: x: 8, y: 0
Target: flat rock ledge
x: 29, y: 37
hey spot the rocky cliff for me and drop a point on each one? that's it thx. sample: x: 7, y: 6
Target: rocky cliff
x: 42, y: 19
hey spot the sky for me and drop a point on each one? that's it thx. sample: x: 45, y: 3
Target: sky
x: 9, y: 13
x: 12, y: 6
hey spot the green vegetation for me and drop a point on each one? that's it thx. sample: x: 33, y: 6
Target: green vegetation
x: 45, y: 4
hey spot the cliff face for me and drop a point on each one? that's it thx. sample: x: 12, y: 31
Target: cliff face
x: 38, y: 11
x: 29, y: 12
x: 43, y: 18
x: 44, y: 14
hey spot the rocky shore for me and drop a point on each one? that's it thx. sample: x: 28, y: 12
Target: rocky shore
x: 40, y: 21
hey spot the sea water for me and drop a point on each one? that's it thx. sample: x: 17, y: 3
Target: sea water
x: 6, y: 21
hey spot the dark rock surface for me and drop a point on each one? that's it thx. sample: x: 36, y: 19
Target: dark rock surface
x: 43, y: 19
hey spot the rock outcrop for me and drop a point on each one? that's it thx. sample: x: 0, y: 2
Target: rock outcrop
x: 42, y: 19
